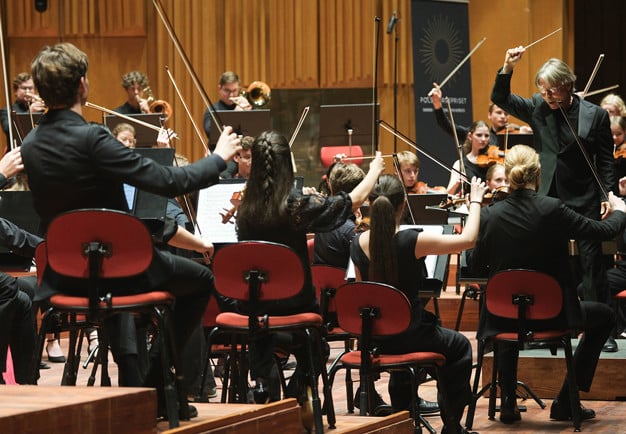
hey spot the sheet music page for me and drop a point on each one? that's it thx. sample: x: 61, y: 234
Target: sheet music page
x: 213, y: 204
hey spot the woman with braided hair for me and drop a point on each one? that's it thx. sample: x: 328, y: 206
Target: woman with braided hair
x: 273, y: 210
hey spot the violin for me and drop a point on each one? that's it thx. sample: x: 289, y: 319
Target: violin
x: 498, y: 194
x: 494, y: 155
x: 235, y: 200
x: 619, y: 154
x: 421, y: 187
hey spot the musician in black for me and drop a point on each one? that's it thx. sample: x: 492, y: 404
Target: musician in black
x: 565, y: 172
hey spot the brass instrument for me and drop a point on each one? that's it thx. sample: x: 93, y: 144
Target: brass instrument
x: 258, y: 94
x: 159, y: 106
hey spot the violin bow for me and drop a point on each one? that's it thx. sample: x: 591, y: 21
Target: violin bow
x: 186, y: 107
x: 542, y: 38
x: 604, y: 89
x: 194, y: 77
x: 6, y: 84
x: 303, y: 116
x: 412, y: 144
x: 585, y: 154
x: 459, y: 148
x: 593, y: 75
x: 461, y: 63
x: 396, y: 166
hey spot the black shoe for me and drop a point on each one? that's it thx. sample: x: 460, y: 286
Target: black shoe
x: 610, y: 346
x: 562, y: 411
x: 44, y: 365
x: 261, y: 394
x: 378, y: 400
x: 186, y: 413
x: 381, y: 408
x: 459, y: 430
x: 509, y: 412
x: 428, y: 407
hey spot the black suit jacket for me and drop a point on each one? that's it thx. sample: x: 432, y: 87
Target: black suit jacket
x: 565, y: 165
x: 528, y: 230
x: 72, y: 164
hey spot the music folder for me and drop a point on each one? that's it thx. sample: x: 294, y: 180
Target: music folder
x: 425, y: 208
x: 17, y: 207
x: 145, y: 137
x: 244, y: 123
x: 514, y: 139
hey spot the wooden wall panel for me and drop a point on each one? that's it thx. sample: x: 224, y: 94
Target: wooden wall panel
x: 290, y: 44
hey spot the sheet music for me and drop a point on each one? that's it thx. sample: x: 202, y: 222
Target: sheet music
x: 213, y: 203
x: 430, y: 260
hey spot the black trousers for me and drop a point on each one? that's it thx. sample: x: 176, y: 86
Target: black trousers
x: 430, y: 336
x: 599, y: 320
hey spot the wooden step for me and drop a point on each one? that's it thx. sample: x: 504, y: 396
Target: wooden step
x: 77, y: 410
x: 545, y: 373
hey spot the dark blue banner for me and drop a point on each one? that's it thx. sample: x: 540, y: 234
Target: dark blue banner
x: 440, y: 43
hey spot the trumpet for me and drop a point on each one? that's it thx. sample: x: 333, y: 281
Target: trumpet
x: 159, y: 106
x: 258, y: 94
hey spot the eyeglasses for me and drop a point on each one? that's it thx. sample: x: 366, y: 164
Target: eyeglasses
x: 549, y: 91
x: 233, y: 91
x: 26, y: 88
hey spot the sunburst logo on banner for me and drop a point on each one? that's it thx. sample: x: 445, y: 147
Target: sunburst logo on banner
x: 440, y: 47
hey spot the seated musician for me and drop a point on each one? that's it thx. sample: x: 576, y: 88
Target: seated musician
x: 135, y: 84
x: 239, y: 167
x: 273, y: 211
x: 476, y: 141
x: 16, y: 294
x: 60, y: 74
x: 530, y: 231
x: 387, y: 255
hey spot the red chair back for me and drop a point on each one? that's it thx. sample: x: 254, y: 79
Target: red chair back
x: 325, y: 278
x: 545, y: 290
x: 280, y: 267
x: 394, y: 308
x: 126, y: 237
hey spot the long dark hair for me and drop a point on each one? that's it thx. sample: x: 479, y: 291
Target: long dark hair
x: 270, y: 182
x: 386, y: 201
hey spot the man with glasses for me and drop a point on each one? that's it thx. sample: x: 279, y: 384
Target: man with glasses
x: 26, y: 99
x: 229, y: 98
x: 561, y: 121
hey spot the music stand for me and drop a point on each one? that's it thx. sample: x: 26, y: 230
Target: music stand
x: 244, y: 123
x: 345, y: 128
x: 22, y: 124
x: 17, y: 207
x: 425, y: 208
x: 144, y: 137
x: 515, y: 139
x: 151, y: 207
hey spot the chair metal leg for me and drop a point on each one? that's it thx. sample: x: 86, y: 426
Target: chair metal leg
x: 574, y: 397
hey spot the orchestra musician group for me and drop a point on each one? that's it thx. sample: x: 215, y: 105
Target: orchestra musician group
x: 564, y: 187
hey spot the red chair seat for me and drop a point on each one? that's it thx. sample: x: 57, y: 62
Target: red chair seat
x: 118, y: 302
x: 621, y: 294
x: 537, y: 336
x: 235, y: 320
x: 353, y: 358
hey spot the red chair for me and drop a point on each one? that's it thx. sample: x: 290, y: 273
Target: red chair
x: 98, y: 245
x: 370, y: 310
x: 528, y: 298
x: 256, y: 272
x: 326, y: 279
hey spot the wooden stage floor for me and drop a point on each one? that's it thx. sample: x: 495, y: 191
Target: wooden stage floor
x: 611, y: 415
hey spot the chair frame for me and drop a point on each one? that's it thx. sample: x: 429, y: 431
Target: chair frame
x: 525, y: 296
x: 90, y: 244
x: 370, y: 310
x: 257, y: 272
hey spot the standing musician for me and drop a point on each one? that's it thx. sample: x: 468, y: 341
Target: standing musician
x: 566, y: 172
x: 135, y: 84
x: 530, y: 230
x: 67, y: 154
